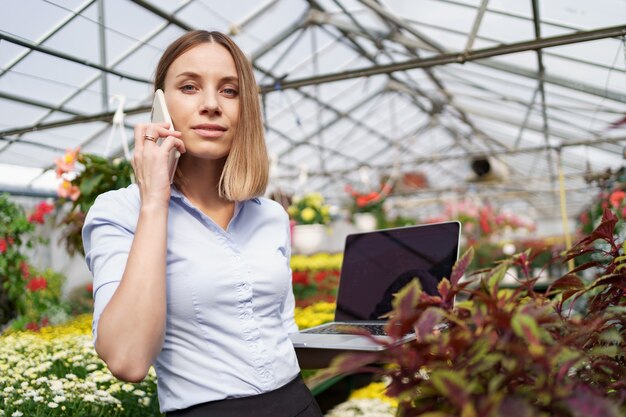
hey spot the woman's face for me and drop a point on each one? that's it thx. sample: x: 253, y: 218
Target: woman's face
x: 202, y: 95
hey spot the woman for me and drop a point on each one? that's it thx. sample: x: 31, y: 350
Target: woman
x: 194, y: 277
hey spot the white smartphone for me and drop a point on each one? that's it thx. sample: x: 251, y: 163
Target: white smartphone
x: 161, y: 115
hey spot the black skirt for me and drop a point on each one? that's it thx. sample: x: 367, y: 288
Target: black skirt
x: 291, y: 400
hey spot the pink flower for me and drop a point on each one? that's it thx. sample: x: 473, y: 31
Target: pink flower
x: 68, y: 190
x: 67, y: 162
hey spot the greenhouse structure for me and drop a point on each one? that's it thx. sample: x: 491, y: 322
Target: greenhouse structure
x: 507, y: 116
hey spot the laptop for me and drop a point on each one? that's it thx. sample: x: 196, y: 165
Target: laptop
x: 376, y: 265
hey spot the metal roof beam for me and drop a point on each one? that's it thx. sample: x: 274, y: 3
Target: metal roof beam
x: 100, y: 117
x: 387, y: 15
x: 541, y: 72
x: 35, y: 103
x: 170, y: 17
x: 459, y: 58
x: 67, y: 57
x: 280, y: 38
x: 20, y: 57
x: 436, y: 158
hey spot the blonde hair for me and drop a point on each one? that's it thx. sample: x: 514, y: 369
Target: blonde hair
x: 246, y: 170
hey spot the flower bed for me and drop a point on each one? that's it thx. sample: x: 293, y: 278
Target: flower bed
x: 315, y: 278
x: 369, y: 401
x: 56, y: 372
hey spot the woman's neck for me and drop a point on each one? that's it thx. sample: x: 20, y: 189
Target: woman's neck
x: 200, y: 182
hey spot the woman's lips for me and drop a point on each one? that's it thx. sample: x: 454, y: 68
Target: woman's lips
x: 209, y: 131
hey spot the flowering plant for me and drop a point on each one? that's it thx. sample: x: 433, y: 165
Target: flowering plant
x: 368, y: 202
x: 309, y: 209
x: 315, y: 278
x: 23, y: 292
x: 482, y: 222
x: 614, y: 200
x: 56, y: 372
x: 84, y: 177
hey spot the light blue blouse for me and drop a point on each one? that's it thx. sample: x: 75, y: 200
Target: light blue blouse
x: 230, y: 303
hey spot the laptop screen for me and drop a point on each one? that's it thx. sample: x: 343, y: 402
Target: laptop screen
x: 378, y: 264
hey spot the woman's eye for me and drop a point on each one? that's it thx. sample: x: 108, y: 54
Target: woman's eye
x: 187, y: 88
x: 230, y: 92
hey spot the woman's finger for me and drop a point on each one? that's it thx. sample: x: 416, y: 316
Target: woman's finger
x: 171, y: 142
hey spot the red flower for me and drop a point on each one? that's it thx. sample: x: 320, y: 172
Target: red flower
x: 300, y: 277
x: 363, y: 200
x: 320, y: 276
x: 42, y: 209
x: 616, y: 198
x: 45, y: 322
x: 36, y: 284
x: 484, y: 221
x: 32, y: 326
x: 3, y: 245
x: 89, y: 287
x: 25, y: 270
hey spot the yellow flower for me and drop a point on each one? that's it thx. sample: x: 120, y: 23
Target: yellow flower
x: 374, y: 390
x: 314, y: 315
x: 308, y: 214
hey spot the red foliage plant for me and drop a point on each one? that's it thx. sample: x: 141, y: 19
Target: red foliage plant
x: 511, y: 352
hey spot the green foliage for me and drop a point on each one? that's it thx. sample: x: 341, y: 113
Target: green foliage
x: 15, y: 235
x: 98, y: 176
x: 309, y: 209
x: 512, y: 352
x: 29, y: 298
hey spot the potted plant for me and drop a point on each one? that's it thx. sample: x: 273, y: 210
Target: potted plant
x: 311, y: 217
x: 367, y: 209
x: 83, y: 178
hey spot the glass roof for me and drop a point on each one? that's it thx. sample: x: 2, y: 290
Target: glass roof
x: 353, y: 91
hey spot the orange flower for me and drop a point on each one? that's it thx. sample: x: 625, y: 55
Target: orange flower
x: 68, y: 190
x: 616, y: 198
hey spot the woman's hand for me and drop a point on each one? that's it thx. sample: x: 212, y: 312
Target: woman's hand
x: 150, y: 161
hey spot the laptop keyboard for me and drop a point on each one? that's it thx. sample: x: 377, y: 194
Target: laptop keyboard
x: 375, y: 329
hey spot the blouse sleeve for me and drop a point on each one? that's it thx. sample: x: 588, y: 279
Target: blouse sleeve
x: 289, y: 303
x: 108, y: 234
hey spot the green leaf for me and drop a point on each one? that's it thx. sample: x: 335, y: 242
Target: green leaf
x: 611, y: 336
x: 87, y: 185
x: 407, y: 297
x: 527, y: 328
x: 461, y: 265
x: 444, y: 288
x: 496, y: 276
x: 426, y: 324
x: 452, y: 385
x: 610, y: 351
x: 617, y: 310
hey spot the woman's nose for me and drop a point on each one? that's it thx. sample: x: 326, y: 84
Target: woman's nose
x: 210, y: 103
